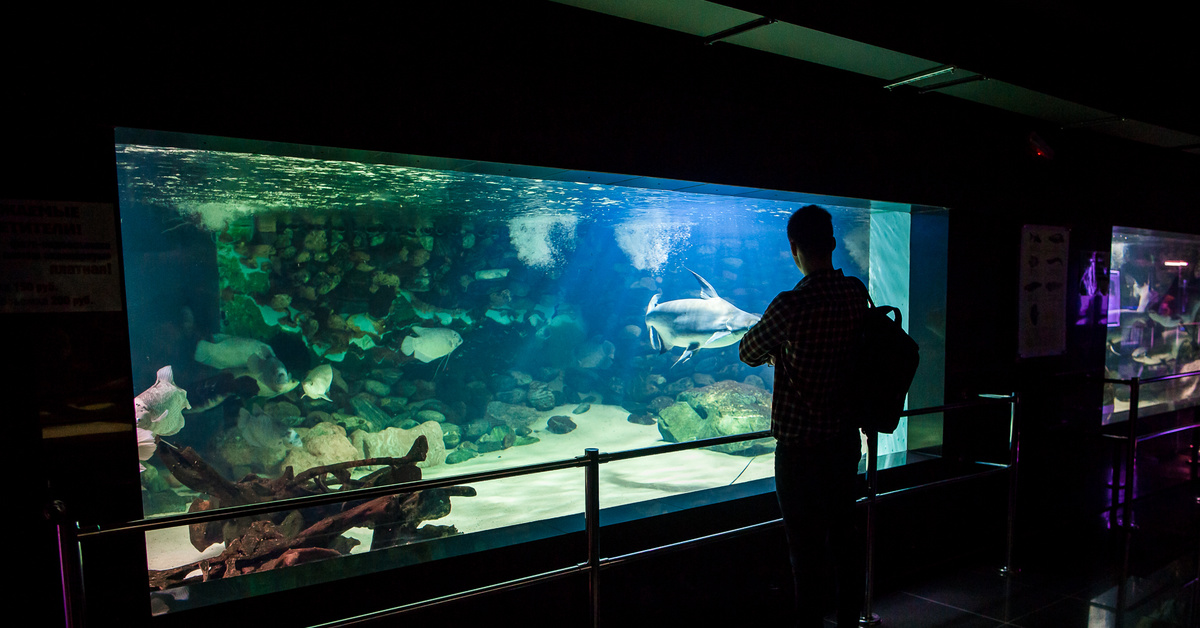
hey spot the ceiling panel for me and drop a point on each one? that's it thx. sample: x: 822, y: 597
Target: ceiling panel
x: 806, y: 44
x: 704, y: 19
x: 695, y: 17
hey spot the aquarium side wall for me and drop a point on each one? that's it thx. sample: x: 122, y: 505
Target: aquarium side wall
x: 927, y: 323
x: 890, y: 285
x: 908, y: 271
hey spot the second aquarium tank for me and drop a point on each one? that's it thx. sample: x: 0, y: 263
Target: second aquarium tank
x: 1153, y: 303
x: 301, y: 317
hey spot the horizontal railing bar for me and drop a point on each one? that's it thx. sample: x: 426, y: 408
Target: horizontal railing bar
x: 1149, y: 380
x: 674, y: 447
x: 946, y: 482
x: 455, y: 597
x: 689, y: 543
x: 1163, y: 378
x: 1173, y: 430
x: 1000, y: 465
x: 638, y: 555
x: 986, y: 401
x: 617, y: 560
x: 1152, y: 435
x: 310, y: 501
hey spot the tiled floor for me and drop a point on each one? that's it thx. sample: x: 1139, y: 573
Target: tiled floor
x: 1072, y: 580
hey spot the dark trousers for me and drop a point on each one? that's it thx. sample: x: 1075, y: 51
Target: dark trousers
x: 816, y: 487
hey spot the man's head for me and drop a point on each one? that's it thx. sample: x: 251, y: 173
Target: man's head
x: 810, y: 232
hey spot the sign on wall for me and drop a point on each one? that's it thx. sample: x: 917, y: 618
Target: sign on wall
x: 58, y: 257
x: 1041, y: 330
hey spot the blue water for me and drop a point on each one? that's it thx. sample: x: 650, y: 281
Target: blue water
x: 539, y: 277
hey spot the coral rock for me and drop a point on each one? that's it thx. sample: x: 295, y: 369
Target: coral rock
x: 324, y: 444
x: 316, y: 241
x: 394, y: 442
x: 541, y: 397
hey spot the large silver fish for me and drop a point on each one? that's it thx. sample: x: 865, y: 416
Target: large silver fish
x: 248, y: 356
x: 430, y: 343
x: 160, y: 407
x: 213, y: 391
x: 694, y: 324
x: 316, y: 384
x: 260, y: 430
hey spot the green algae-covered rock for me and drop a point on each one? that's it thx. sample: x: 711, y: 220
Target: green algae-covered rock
x: 729, y: 407
x: 679, y: 423
x: 451, y: 435
x: 720, y: 409
x: 499, y: 437
x: 241, y: 316
x: 459, y: 455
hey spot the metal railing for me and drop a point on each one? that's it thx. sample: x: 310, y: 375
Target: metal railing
x: 1122, y: 485
x: 72, y: 537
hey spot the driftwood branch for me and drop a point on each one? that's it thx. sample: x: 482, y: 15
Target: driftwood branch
x: 289, y: 538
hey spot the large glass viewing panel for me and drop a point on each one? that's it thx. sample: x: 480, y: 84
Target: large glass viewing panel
x: 1153, y: 301
x: 295, y: 307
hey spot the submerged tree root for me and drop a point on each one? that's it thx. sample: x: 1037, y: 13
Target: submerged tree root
x: 294, y: 537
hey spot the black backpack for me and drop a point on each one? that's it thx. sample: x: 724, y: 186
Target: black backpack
x: 880, y: 371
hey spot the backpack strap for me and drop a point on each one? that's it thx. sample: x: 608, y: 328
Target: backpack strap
x: 865, y: 291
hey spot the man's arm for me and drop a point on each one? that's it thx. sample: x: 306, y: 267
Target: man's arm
x: 765, y: 340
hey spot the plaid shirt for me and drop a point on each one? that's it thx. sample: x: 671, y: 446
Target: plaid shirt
x: 808, y: 331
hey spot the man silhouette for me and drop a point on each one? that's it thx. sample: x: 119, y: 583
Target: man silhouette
x: 806, y: 333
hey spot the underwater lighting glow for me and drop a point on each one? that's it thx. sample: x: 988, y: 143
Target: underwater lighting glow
x: 1175, y: 262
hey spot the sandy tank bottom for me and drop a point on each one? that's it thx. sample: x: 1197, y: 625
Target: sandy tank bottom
x: 544, y: 496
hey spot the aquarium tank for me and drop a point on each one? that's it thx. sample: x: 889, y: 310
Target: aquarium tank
x: 1153, y: 301
x: 305, y: 318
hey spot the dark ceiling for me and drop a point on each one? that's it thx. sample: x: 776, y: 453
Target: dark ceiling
x: 1136, y: 63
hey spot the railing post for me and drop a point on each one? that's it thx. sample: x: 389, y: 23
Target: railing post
x: 70, y: 565
x: 1014, y: 458
x: 591, y: 518
x: 1135, y: 386
x: 1195, y: 461
x: 868, y: 617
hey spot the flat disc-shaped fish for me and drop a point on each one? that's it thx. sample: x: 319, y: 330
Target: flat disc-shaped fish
x: 316, y: 384
x: 227, y: 352
x: 429, y: 343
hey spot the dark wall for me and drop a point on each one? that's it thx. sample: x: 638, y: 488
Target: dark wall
x: 544, y: 84
x: 538, y: 83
